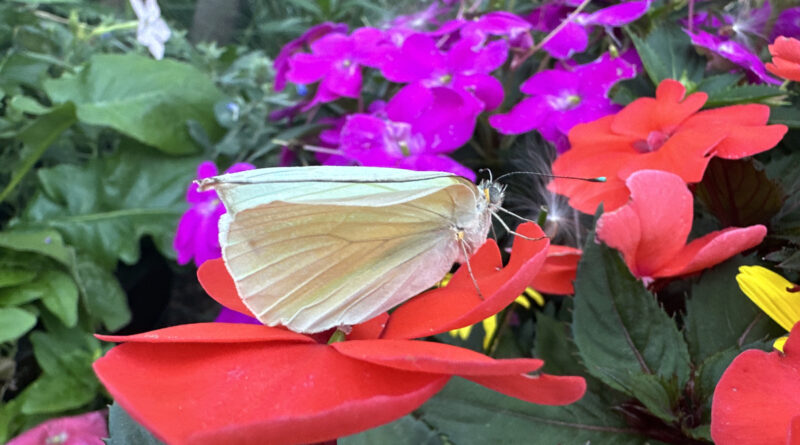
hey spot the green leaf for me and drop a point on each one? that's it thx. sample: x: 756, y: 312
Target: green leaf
x: 667, y: 53
x: 123, y: 430
x: 619, y: 327
x: 655, y: 394
x: 466, y: 412
x: 789, y: 116
x: 25, y: 293
x: 53, y: 393
x: 65, y: 351
x: 738, y: 193
x: 22, y: 68
x: 718, y: 83
x: 744, y: 94
x: 14, y: 323
x: 61, y: 296
x: 404, y: 431
x: 102, y: 294
x: 104, y: 207
x: 146, y: 99
x: 12, y: 276
x: 37, y: 137
x: 719, y: 316
x: 45, y: 242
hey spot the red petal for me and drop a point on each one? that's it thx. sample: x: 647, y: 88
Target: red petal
x: 652, y: 229
x: 586, y: 196
x: 218, y: 283
x: 713, y: 249
x: 458, y: 304
x: 543, y: 389
x: 786, y: 48
x: 758, y: 396
x: 211, y: 333
x: 558, y: 271
x: 369, y: 329
x: 256, y: 393
x: 438, y: 358
x: 794, y: 432
x: 747, y: 132
x: 664, y: 113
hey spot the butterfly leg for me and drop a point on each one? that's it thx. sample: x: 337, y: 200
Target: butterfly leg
x: 463, y: 244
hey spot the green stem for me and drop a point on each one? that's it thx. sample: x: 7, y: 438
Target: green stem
x: 100, y: 30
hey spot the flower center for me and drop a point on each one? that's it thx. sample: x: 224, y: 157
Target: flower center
x: 653, y: 142
x: 346, y: 63
x: 57, y: 438
x: 564, y: 101
x: 404, y: 148
x: 445, y: 79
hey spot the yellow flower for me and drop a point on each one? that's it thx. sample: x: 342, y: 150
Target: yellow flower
x: 775, y: 295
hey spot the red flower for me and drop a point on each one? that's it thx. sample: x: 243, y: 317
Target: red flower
x: 652, y: 229
x: 785, y: 58
x: 664, y: 133
x: 212, y: 383
x: 559, y: 270
x: 757, y: 400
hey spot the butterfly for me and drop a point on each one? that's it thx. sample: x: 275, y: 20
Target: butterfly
x: 314, y: 248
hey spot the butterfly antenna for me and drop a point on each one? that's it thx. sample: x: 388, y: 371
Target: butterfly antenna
x: 548, y: 175
x: 508, y: 229
x: 481, y: 170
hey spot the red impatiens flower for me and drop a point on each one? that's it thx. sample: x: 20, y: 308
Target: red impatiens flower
x: 212, y: 383
x: 757, y: 400
x: 785, y: 58
x: 652, y: 229
x: 664, y: 133
x: 559, y: 270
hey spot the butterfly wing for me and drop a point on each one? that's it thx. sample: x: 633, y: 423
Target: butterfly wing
x: 312, y: 266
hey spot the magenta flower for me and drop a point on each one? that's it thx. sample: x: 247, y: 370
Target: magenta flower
x: 335, y: 61
x: 85, y: 429
x: 501, y: 23
x: 463, y: 67
x: 560, y: 99
x: 416, y: 130
x: 574, y: 37
x: 297, y: 45
x: 787, y: 24
x: 198, y: 233
x: 734, y: 52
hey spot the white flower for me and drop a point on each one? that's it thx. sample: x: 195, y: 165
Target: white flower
x: 152, y: 31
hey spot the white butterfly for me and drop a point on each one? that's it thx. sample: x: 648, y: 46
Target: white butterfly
x: 313, y: 248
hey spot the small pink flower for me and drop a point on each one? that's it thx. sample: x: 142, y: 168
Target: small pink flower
x: 85, y: 429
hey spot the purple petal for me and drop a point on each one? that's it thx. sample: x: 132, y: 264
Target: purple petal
x: 281, y: 63
x: 734, y: 52
x: 343, y: 80
x: 308, y: 68
x: 463, y: 57
x: 417, y: 59
x: 486, y: 88
x: 603, y: 73
x: 240, y: 167
x: 550, y: 82
x: 363, y: 138
x: 206, y: 169
x: 570, y: 40
x: 618, y: 15
x: 206, y: 242
x: 787, y: 24
x: 530, y: 113
x: 183, y: 243
x: 230, y: 316
x: 439, y: 163
x: 546, y: 17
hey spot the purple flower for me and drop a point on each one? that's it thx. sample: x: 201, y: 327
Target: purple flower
x: 419, y: 126
x: 463, y: 67
x: 297, y: 45
x: 198, y: 232
x: 574, y: 37
x: 85, y: 429
x: 335, y: 61
x: 501, y: 23
x: 734, y: 52
x: 560, y: 99
x: 787, y: 24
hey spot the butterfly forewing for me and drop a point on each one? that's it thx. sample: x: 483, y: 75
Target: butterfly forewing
x: 313, y: 266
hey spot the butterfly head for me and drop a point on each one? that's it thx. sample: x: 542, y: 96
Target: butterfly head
x: 493, y: 192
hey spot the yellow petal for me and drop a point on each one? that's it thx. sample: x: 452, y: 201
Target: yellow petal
x: 535, y: 295
x: 769, y: 291
x: 462, y: 333
x: 489, y: 326
x: 779, y: 342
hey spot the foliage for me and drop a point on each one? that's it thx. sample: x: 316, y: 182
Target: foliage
x: 98, y: 144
